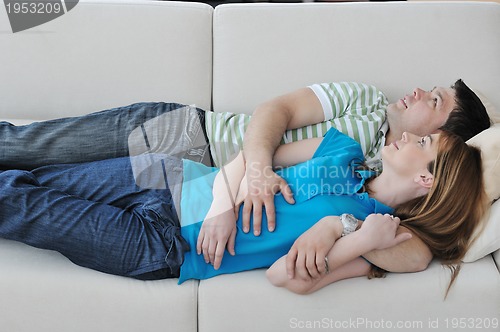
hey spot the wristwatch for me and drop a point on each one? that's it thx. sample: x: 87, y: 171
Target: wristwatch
x: 349, y: 222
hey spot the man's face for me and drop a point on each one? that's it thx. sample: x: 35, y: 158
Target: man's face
x: 422, y: 112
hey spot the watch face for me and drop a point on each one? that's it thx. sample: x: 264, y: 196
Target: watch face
x: 350, y: 218
x: 349, y: 222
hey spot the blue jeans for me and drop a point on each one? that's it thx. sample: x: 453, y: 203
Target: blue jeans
x: 96, y: 215
x: 105, y: 135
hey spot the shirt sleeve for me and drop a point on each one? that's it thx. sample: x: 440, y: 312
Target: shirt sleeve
x: 338, y: 98
x: 335, y: 98
x: 356, y: 109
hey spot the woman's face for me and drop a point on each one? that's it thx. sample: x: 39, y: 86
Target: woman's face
x: 411, y: 154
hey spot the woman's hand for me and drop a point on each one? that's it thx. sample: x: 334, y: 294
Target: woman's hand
x: 307, y: 255
x: 218, y: 230
x: 380, y: 230
x: 217, y: 233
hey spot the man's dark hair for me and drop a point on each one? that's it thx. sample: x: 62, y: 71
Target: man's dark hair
x: 469, y: 117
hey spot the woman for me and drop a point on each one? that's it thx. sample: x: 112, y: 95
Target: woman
x: 444, y: 219
x: 120, y: 217
x: 414, y: 181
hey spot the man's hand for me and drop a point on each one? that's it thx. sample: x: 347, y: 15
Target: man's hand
x: 263, y: 183
x: 307, y: 255
x: 217, y: 233
x: 380, y: 230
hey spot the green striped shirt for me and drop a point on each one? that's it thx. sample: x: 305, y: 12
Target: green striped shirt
x: 358, y: 110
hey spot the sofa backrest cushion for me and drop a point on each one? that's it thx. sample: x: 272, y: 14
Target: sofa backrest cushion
x: 105, y: 54
x: 262, y: 50
x: 487, y: 240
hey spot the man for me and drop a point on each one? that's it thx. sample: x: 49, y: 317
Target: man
x: 456, y: 109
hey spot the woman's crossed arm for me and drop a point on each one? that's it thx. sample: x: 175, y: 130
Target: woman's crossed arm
x: 325, y: 257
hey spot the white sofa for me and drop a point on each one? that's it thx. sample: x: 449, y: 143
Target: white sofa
x: 107, y: 53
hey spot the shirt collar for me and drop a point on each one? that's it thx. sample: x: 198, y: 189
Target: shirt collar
x: 382, y: 132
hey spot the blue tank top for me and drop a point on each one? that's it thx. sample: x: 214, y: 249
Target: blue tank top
x: 326, y: 185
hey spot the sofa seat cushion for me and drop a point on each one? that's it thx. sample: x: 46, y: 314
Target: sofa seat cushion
x: 250, y: 301
x: 43, y: 291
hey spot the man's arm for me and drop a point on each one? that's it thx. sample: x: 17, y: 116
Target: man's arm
x: 409, y: 256
x: 286, y: 155
x: 267, y: 126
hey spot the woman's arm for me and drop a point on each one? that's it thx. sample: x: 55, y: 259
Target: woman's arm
x: 305, y: 266
x: 219, y: 227
x: 277, y: 276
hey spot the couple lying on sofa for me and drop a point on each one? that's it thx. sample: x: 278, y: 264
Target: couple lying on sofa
x: 103, y: 190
